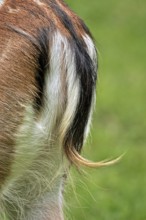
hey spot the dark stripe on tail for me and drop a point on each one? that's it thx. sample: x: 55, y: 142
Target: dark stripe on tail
x: 44, y: 36
x: 86, y: 72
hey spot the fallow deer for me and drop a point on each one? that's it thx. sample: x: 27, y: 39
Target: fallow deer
x: 48, y: 66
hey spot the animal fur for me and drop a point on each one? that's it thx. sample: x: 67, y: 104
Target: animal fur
x: 48, y: 71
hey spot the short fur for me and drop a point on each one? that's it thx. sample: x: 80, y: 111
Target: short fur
x: 47, y: 91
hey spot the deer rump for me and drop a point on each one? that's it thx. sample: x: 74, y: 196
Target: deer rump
x: 47, y: 91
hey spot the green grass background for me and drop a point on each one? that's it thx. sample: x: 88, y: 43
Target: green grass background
x: 119, y: 123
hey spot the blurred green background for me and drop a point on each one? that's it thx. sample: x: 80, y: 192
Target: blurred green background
x: 119, y: 124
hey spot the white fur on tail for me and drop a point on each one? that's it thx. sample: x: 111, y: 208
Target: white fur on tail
x: 50, y: 79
